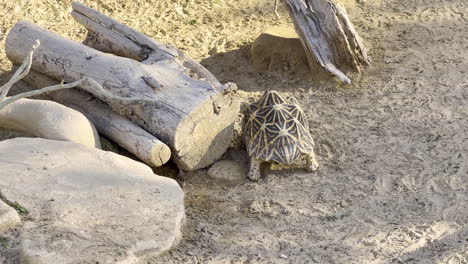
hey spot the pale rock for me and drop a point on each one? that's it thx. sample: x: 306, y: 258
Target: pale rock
x: 49, y: 120
x: 8, y: 217
x: 228, y: 170
x: 87, y: 205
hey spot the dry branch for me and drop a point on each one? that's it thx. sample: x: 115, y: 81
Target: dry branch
x: 328, y: 36
x: 113, y: 126
x: 20, y: 73
x: 44, y: 118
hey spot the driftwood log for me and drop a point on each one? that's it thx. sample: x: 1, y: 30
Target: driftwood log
x: 155, y: 86
x: 122, y: 131
x: 54, y: 121
x: 328, y: 36
x: 44, y: 118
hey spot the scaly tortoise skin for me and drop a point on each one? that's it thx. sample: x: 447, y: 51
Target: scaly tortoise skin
x: 277, y: 131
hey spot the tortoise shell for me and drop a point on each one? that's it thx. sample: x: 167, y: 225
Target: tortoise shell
x: 276, y: 130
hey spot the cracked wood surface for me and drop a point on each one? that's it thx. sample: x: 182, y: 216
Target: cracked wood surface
x: 125, y: 133
x: 328, y: 36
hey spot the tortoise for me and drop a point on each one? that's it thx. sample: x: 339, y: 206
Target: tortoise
x: 276, y: 130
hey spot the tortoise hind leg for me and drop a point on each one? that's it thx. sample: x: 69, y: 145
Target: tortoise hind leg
x: 312, y: 164
x: 254, y: 171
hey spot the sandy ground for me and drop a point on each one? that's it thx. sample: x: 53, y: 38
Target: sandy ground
x: 393, y: 146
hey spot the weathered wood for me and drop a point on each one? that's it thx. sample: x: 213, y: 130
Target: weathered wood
x: 108, y: 35
x: 113, y: 126
x: 44, y: 118
x: 328, y: 36
x: 167, y: 94
x: 20, y: 73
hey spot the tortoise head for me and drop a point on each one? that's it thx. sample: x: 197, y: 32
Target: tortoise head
x: 271, y: 98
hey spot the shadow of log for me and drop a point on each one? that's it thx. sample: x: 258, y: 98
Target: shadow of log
x: 234, y: 66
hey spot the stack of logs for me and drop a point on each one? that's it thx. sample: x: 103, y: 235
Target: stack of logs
x: 152, y: 99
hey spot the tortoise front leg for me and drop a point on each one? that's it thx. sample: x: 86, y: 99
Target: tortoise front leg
x: 254, y: 171
x: 312, y: 164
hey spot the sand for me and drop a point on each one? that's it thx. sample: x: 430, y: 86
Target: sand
x: 393, y: 145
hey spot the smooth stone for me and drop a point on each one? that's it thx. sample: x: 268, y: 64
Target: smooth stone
x: 51, y: 120
x: 9, y: 218
x: 228, y: 170
x: 87, y: 205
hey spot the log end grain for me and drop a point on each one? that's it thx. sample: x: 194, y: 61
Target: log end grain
x: 206, y: 133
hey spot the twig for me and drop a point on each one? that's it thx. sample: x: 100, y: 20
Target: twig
x: 12, y: 99
x: 22, y: 71
x: 276, y: 9
x: 93, y: 87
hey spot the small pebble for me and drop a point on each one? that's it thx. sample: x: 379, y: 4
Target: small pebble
x: 228, y: 170
x: 283, y: 256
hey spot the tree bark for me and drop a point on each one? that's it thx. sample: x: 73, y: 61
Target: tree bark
x: 125, y: 133
x: 168, y: 94
x: 328, y: 36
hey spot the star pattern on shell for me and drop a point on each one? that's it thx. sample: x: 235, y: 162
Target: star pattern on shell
x: 276, y: 130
